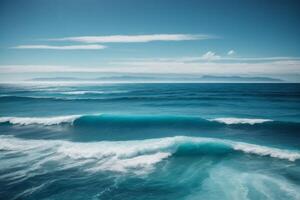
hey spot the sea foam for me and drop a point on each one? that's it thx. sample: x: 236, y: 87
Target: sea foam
x: 81, y: 92
x: 231, y: 120
x: 39, y: 120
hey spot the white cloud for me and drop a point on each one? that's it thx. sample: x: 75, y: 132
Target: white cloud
x: 70, y: 47
x: 134, y: 38
x: 231, y: 52
x: 209, y: 56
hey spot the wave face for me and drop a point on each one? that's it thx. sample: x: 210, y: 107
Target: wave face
x: 152, y: 161
x: 90, y: 119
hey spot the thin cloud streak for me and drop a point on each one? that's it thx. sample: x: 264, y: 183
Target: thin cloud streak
x: 70, y: 47
x: 209, y: 56
x: 134, y: 38
x: 231, y: 52
x: 210, y: 68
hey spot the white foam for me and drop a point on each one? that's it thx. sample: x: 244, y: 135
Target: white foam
x: 83, y: 92
x: 91, y: 92
x: 39, y: 120
x: 231, y: 183
x: 104, y: 156
x: 138, y: 165
x: 267, y: 151
x: 231, y: 120
x: 119, y: 149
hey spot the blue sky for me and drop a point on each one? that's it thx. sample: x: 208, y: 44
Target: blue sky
x: 145, y: 36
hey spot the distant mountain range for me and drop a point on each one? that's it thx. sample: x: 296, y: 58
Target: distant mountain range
x: 165, y: 78
x: 240, y: 79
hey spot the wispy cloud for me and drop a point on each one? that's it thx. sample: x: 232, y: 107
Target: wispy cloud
x: 209, y: 56
x: 69, y: 47
x: 134, y: 38
x: 231, y: 52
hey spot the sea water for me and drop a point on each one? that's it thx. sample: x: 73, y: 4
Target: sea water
x: 149, y: 141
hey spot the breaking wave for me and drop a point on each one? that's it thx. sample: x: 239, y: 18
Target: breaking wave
x: 39, y: 120
x: 131, y: 119
x: 231, y: 120
x: 142, y: 154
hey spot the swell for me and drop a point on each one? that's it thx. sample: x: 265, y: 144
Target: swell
x: 83, y: 92
x: 90, y: 120
x: 176, y: 122
x: 149, y: 97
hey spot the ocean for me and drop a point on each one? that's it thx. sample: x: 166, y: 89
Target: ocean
x: 61, y: 141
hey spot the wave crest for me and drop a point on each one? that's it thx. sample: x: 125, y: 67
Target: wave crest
x: 137, y: 119
x: 231, y: 120
x: 126, y: 155
x: 40, y: 120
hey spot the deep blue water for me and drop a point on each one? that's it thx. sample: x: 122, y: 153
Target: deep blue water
x: 150, y: 141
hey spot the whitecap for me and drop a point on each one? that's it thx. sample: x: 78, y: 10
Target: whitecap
x: 231, y: 120
x: 40, y: 120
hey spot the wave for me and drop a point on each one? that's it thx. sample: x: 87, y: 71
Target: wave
x: 39, y: 120
x: 127, y: 156
x: 71, y: 96
x: 82, y: 92
x: 149, y: 98
x: 25, y: 160
x: 135, y: 120
x: 231, y: 120
x: 92, y: 92
x: 9, y: 98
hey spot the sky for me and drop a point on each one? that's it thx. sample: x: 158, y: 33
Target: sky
x: 43, y: 38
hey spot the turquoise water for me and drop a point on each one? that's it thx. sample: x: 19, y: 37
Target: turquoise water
x: 150, y: 141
